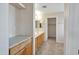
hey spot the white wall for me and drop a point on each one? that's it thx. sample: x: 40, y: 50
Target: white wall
x: 26, y: 25
x: 59, y: 25
x: 18, y: 21
x: 71, y: 29
x: 4, y: 28
x: 12, y: 21
x: 60, y: 28
x: 21, y: 20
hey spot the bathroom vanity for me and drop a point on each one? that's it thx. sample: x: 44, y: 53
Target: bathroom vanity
x: 39, y: 34
x: 39, y: 39
x: 20, y: 45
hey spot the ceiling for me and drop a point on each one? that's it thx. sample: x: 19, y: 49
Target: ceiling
x: 51, y: 7
x: 18, y: 5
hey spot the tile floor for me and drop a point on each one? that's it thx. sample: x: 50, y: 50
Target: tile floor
x: 51, y: 48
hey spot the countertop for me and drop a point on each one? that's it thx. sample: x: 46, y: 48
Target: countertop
x: 38, y: 33
x: 13, y: 41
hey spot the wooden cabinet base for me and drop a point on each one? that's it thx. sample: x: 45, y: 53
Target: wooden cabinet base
x: 22, y: 52
x: 38, y: 41
x: 29, y: 49
x: 22, y: 49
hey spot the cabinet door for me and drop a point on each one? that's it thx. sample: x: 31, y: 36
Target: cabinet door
x: 36, y: 43
x: 29, y: 49
x: 42, y: 38
x: 39, y: 41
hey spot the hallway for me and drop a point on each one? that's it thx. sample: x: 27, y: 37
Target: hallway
x: 51, y: 48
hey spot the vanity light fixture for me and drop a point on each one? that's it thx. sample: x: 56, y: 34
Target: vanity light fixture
x: 38, y: 15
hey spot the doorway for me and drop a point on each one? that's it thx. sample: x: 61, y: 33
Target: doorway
x: 52, y: 28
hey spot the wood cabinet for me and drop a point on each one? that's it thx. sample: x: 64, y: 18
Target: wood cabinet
x: 42, y: 38
x: 24, y: 48
x: 28, y: 49
x: 38, y: 41
x: 21, y: 52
